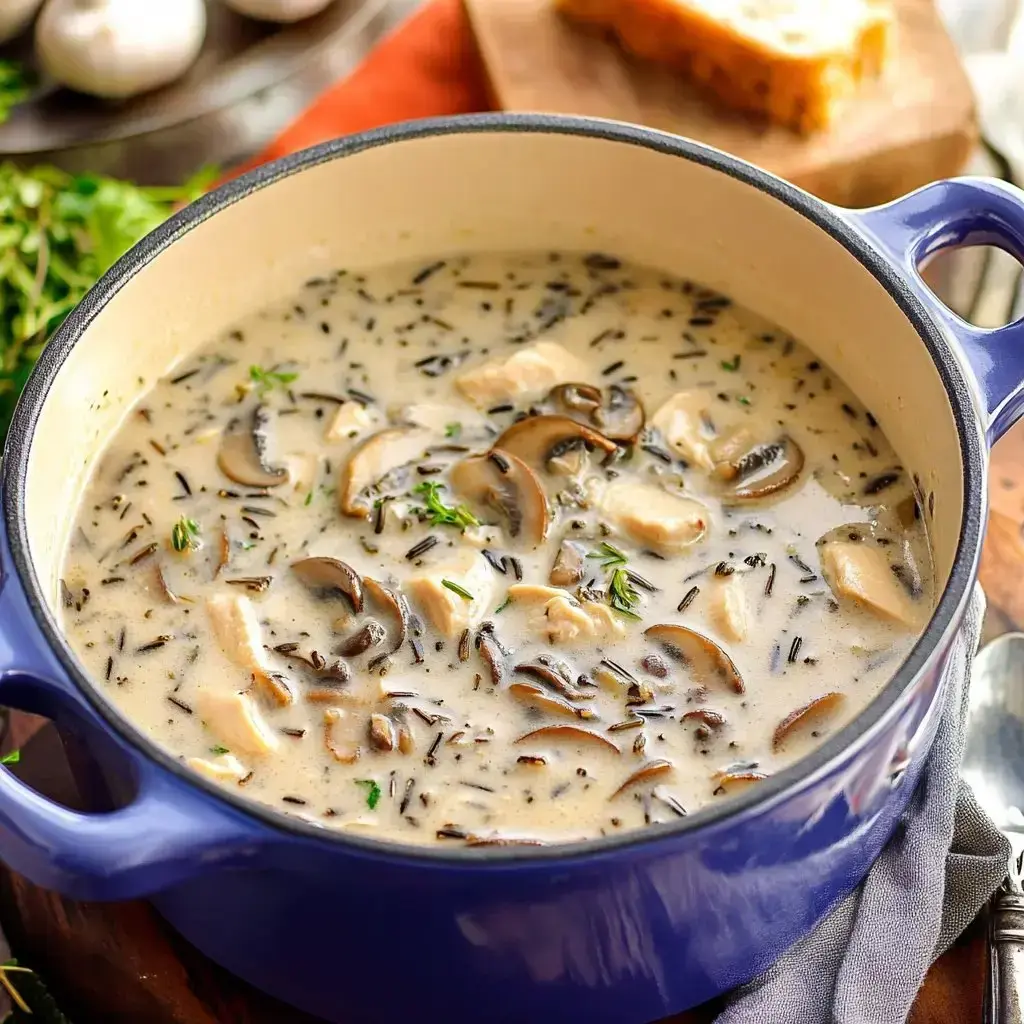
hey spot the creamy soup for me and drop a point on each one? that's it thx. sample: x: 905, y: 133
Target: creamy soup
x: 500, y: 549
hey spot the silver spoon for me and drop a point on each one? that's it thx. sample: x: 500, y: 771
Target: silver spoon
x: 994, y: 767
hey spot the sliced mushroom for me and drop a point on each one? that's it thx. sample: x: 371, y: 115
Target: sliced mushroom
x: 805, y: 718
x: 325, y: 671
x: 765, y: 469
x: 345, y: 750
x: 647, y: 772
x: 733, y: 782
x: 706, y: 661
x: 539, y: 439
x: 536, y: 696
x: 569, y: 732
x: 382, y: 732
x: 370, y: 634
x: 331, y: 574
x: 506, y: 484
x: 243, y: 452
x: 553, y: 680
x: 570, y: 565
x: 275, y: 687
x: 618, y: 415
x: 396, y: 608
x: 165, y: 588
x: 372, y: 460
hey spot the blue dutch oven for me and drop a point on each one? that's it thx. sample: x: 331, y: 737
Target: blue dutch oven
x: 624, y: 929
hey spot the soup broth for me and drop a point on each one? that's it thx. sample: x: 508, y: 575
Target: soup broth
x: 498, y: 549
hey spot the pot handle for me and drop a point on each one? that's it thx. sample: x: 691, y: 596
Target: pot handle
x: 169, y: 831
x: 948, y: 214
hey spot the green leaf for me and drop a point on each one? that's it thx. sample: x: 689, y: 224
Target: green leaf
x: 453, y: 430
x: 456, y: 589
x: 372, y: 792
x: 217, y: 751
x: 438, y: 512
x: 609, y: 555
x: 34, y: 994
x: 11, y: 758
x: 733, y: 366
x: 267, y: 380
x: 185, y: 535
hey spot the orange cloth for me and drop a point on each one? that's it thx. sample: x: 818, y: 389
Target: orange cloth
x: 427, y: 67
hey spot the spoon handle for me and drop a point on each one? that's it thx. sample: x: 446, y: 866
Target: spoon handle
x: 1006, y: 962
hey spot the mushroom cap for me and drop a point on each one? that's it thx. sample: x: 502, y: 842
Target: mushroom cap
x: 504, y: 482
x: 372, y: 460
x: 242, y: 456
x: 705, y: 659
x: 538, y: 439
x: 322, y: 573
x: 765, y: 469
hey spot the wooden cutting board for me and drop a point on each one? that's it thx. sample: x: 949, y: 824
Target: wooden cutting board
x: 916, y: 124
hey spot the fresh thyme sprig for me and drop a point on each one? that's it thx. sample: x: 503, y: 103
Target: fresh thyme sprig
x: 185, y: 535
x: 438, y: 512
x: 621, y: 595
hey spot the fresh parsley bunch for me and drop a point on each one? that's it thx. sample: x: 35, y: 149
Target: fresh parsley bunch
x: 58, y: 234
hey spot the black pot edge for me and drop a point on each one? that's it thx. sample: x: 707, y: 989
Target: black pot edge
x: 943, y: 622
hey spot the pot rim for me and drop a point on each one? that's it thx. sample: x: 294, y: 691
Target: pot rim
x: 926, y: 652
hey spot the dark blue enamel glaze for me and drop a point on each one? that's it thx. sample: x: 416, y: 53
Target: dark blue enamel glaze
x: 619, y: 930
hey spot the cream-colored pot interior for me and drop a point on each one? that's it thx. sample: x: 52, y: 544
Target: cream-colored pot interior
x: 439, y: 194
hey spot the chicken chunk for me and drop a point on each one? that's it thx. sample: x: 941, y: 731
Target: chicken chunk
x: 683, y: 422
x: 449, y: 611
x: 236, y: 722
x: 531, y: 371
x: 729, y: 609
x: 224, y: 768
x: 560, y: 618
x: 440, y: 419
x: 653, y: 517
x: 349, y: 421
x: 859, y: 572
x: 238, y: 632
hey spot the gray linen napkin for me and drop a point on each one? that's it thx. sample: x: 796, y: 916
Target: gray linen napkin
x: 865, y: 962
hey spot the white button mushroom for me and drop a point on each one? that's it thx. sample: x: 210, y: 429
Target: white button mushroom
x: 278, y: 10
x: 15, y: 16
x: 119, y: 48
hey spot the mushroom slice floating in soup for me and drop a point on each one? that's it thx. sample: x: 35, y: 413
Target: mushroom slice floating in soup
x: 330, y: 574
x: 706, y: 661
x: 571, y: 733
x: 647, y: 773
x: 801, y: 721
x: 374, y: 459
x: 243, y: 452
x: 539, y: 440
x: 734, y: 781
x: 500, y: 481
x: 764, y: 470
x: 617, y: 415
x: 569, y: 566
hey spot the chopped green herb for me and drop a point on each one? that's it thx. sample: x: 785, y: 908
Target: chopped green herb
x: 621, y: 595
x: 733, y: 366
x: 372, y: 792
x: 217, y: 751
x: 309, y: 499
x: 247, y: 545
x: 11, y: 758
x: 456, y: 589
x: 438, y: 512
x: 453, y: 430
x: 504, y: 604
x: 610, y: 556
x: 185, y: 535
x: 267, y: 380
x: 16, y: 86
x: 743, y: 400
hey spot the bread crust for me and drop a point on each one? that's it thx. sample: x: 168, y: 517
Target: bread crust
x: 789, y: 80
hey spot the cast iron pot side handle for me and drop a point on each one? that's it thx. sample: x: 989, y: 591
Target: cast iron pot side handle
x: 169, y: 832
x: 948, y: 214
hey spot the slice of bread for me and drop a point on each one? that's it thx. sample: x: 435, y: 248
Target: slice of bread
x: 794, y: 61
